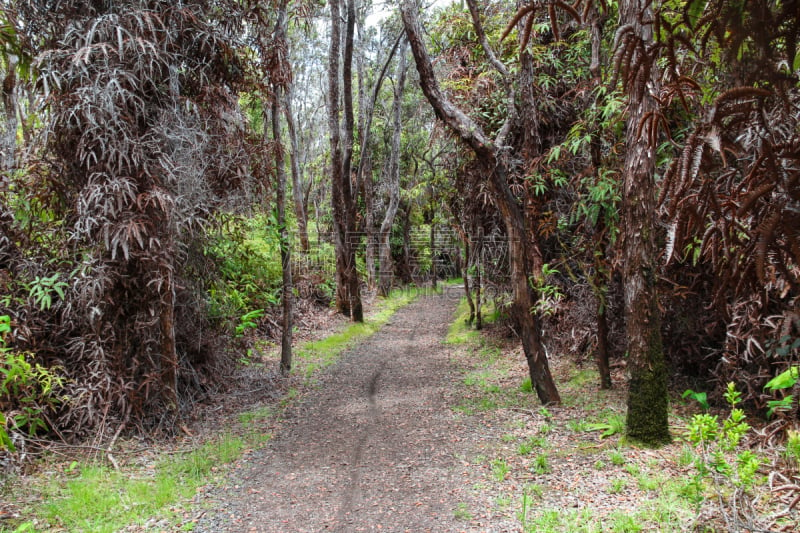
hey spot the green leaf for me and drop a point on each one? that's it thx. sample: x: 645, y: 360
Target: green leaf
x: 779, y: 405
x: 696, y: 8
x: 784, y: 380
x: 699, y: 397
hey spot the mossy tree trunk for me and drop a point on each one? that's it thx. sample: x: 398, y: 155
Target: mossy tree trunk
x: 648, y: 402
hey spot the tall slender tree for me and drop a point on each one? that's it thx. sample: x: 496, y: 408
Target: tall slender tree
x: 287, y: 292
x: 648, y: 400
x: 343, y: 193
x: 492, y: 155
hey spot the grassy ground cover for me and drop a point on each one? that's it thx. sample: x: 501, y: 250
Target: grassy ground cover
x: 148, y: 487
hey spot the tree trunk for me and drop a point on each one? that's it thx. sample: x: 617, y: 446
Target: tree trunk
x: 477, y: 265
x: 601, y: 354
x: 297, y: 176
x: 434, y: 274
x: 371, y: 245
x: 8, y: 126
x: 364, y: 172
x: 648, y: 402
x: 348, y: 290
x: 287, y: 295
x: 497, y: 168
x: 467, y: 289
x: 386, y: 269
x: 169, y: 354
x: 281, y: 94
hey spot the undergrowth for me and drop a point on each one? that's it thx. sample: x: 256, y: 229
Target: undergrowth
x: 153, y: 489
x: 570, y: 467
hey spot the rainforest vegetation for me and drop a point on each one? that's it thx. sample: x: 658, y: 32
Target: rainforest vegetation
x: 618, y: 179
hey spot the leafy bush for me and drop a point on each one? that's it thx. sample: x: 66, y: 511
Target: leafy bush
x: 28, y: 391
x: 731, y: 472
x: 247, y: 252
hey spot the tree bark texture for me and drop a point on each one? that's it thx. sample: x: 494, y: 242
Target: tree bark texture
x: 348, y: 295
x: 8, y: 127
x: 477, y: 268
x: 287, y: 295
x: 648, y: 404
x: 497, y: 168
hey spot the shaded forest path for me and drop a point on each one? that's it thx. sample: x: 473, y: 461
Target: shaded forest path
x: 375, y: 447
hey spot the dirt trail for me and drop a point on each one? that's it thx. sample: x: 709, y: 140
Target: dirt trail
x: 375, y: 447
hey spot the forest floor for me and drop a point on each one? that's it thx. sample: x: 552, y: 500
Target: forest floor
x: 424, y: 425
x: 429, y: 426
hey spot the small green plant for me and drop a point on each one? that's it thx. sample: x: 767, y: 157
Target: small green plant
x: 625, y: 523
x: 502, y: 502
x: 461, y: 512
x: 541, y: 464
x: 549, y: 294
x: 500, y: 469
x: 616, y: 457
x: 526, y: 385
x: 249, y: 321
x: 614, y: 424
x: 648, y: 482
x: 41, y: 290
x: 27, y: 390
x: 578, y: 426
x: 783, y: 381
x: 526, y: 502
x: 534, y: 441
x: 732, y: 473
x: 618, y: 485
x: 699, y: 397
x: 792, y: 452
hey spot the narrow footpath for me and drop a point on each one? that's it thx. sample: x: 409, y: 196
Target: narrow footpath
x: 375, y: 447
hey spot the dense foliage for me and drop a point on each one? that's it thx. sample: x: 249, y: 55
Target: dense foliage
x: 128, y: 251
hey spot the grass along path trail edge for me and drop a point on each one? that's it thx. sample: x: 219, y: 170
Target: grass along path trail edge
x: 412, y: 422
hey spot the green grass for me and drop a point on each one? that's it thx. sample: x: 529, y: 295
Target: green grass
x: 99, y: 499
x: 500, y: 469
x: 616, y: 457
x: 96, y: 498
x: 462, y: 512
x: 460, y: 332
x: 319, y: 354
x: 535, y: 441
x: 541, y: 464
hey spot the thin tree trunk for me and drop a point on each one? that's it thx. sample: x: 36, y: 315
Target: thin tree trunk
x: 300, y: 212
x: 648, y: 401
x: 8, y: 127
x: 364, y: 169
x: 287, y: 295
x: 386, y: 268
x: 477, y: 266
x: 497, y: 168
x: 348, y: 295
x: 371, y: 246
x: 433, y: 252
x: 467, y: 288
x: 169, y: 354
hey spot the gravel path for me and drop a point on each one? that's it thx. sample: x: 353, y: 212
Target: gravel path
x: 375, y: 447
